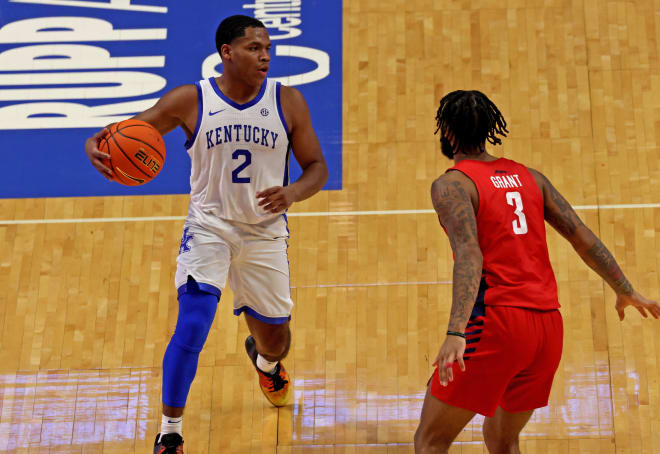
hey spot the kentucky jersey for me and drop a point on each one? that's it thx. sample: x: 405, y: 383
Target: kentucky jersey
x: 511, y: 231
x: 236, y: 151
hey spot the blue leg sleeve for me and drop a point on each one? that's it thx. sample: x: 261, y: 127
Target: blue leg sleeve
x: 196, y: 312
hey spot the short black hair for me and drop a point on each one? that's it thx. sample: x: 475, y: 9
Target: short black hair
x: 472, y: 118
x: 234, y: 27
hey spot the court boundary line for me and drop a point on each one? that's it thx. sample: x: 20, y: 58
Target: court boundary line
x: 623, y: 206
x: 372, y: 284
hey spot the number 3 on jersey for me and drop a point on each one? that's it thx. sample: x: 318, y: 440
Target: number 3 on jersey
x: 248, y: 160
x: 514, y: 199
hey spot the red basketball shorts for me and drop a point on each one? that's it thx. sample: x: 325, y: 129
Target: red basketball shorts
x: 511, y: 356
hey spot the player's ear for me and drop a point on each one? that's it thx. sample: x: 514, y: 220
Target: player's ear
x: 225, y: 51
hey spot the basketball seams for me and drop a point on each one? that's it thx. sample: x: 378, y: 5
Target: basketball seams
x: 108, y: 161
x: 119, y: 131
x: 128, y: 158
x: 129, y: 146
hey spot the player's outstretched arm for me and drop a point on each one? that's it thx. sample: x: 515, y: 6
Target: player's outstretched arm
x: 561, y: 216
x: 178, y: 107
x: 451, y: 196
x: 306, y: 149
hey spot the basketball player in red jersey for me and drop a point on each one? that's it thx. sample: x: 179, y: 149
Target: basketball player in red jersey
x: 505, y: 333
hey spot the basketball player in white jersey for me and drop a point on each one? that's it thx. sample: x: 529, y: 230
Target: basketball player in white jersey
x: 240, y: 128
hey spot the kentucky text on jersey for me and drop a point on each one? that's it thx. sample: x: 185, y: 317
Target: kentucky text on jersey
x: 506, y: 181
x: 240, y: 134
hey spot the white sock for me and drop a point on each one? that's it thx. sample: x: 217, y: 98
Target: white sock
x: 169, y: 425
x: 264, y: 365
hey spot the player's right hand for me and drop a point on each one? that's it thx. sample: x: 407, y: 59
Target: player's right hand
x: 95, y: 156
x: 638, y: 302
x: 452, y: 350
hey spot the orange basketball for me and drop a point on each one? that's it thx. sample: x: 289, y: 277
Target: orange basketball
x: 136, y: 149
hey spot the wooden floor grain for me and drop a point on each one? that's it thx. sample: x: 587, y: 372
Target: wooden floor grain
x: 89, y: 304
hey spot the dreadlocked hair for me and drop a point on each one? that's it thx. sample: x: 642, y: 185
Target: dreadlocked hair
x: 472, y: 118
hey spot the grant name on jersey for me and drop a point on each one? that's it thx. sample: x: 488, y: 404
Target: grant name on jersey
x: 240, y: 134
x: 506, y: 181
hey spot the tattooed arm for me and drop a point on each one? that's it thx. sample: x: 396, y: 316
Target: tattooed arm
x: 561, y: 216
x: 452, y: 196
x: 454, y: 199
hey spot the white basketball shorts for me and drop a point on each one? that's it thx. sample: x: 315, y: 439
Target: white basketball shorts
x: 255, y: 261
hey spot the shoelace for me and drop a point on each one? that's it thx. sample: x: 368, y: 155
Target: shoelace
x: 276, y: 382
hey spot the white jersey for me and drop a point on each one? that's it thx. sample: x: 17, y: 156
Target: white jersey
x: 236, y: 151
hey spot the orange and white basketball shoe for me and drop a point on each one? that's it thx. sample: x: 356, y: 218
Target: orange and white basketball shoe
x: 276, y: 386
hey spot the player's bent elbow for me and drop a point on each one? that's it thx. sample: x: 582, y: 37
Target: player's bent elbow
x: 325, y: 173
x: 582, y: 239
x: 322, y: 175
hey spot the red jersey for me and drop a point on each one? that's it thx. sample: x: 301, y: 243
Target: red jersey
x: 511, y: 230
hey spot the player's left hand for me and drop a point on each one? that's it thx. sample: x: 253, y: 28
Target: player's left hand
x: 638, y: 302
x: 452, y: 350
x: 277, y: 198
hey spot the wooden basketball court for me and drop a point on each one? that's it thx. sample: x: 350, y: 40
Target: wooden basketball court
x: 88, y: 303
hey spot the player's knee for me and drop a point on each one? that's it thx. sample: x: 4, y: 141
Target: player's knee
x: 196, y: 314
x: 427, y: 442
x: 191, y: 332
x: 498, y: 444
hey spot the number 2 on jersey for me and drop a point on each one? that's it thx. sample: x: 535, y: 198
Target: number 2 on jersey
x: 514, y: 199
x: 248, y: 160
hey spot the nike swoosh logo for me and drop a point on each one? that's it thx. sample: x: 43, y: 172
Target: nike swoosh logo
x: 217, y: 112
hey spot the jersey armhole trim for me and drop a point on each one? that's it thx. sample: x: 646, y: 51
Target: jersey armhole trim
x: 285, y: 182
x: 200, y: 100
x: 278, y: 96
